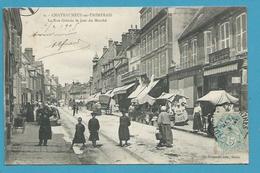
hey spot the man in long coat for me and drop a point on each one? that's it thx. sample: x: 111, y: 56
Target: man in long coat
x: 79, y: 136
x: 93, y: 127
x: 45, y: 127
x: 123, y: 131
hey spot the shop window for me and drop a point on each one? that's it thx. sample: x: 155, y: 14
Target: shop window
x: 241, y: 33
x: 207, y: 44
x: 224, y: 35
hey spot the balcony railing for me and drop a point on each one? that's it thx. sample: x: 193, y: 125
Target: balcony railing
x: 220, y: 55
x: 130, y: 74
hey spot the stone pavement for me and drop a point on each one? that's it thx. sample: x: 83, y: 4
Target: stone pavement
x: 187, y: 147
x: 185, y: 128
x: 22, y: 149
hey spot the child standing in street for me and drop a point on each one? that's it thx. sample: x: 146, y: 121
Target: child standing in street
x: 79, y: 134
x: 93, y: 126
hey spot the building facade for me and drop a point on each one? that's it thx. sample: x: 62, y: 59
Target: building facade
x: 52, y: 87
x: 160, y: 29
x: 134, y: 62
x: 123, y: 60
x: 12, y: 39
x: 213, y: 54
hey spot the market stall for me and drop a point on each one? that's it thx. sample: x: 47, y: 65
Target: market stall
x: 176, y: 106
x: 215, y: 105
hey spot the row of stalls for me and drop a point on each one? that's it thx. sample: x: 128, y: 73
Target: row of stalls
x: 143, y: 102
x: 145, y: 97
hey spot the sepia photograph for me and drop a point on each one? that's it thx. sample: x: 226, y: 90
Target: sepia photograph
x: 125, y: 85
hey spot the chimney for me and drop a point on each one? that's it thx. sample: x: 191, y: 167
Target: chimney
x: 131, y: 26
x: 104, y: 49
x: 110, y: 42
x: 47, y: 72
x: 135, y: 26
x: 29, y: 53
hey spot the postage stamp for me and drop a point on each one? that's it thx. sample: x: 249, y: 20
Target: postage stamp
x: 229, y: 132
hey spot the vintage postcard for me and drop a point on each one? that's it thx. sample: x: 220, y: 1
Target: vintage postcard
x: 125, y: 85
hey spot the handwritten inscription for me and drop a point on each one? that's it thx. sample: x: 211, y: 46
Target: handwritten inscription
x: 60, y: 44
x: 62, y: 30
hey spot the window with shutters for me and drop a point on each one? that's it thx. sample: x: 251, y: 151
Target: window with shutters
x: 144, y: 46
x: 207, y: 44
x: 163, y: 66
x: 224, y: 35
x: 143, y: 67
x: 155, y: 39
x: 156, y: 66
x: 184, y: 56
x: 162, y: 35
x: 150, y: 67
x: 149, y: 43
x: 147, y: 68
x: 241, y: 33
x: 194, y: 50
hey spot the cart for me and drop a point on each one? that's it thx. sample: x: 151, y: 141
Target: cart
x: 19, y: 123
x: 104, y: 100
x: 209, y: 103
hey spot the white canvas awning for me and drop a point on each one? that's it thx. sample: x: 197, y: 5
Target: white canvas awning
x: 219, y: 97
x: 137, y: 91
x: 143, y: 96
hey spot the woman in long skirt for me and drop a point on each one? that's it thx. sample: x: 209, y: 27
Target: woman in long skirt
x: 197, y: 122
x: 93, y: 126
x: 79, y: 136
x: 123, y: 131
x: 164, y: 123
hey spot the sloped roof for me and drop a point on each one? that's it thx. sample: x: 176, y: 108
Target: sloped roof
x: 203, y: 16
x: 77, y: 88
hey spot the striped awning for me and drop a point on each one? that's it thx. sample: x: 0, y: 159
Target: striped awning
x: 123, y: 89
x: 223, y: 69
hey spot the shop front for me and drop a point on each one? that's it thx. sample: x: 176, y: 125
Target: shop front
x: 120, y: 95
x: 228, y: 77
x: 190, y: 81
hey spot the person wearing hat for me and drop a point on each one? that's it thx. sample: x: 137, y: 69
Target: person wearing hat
x: 123, y: 130
x: 45, y: 132
x: 164, y: 124
x: 79, y: 136
x: 93, y: 127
